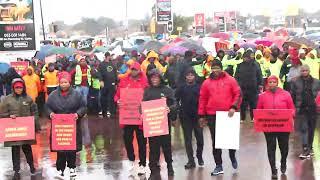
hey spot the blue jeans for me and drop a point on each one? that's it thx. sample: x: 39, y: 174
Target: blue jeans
x: 84, y: 91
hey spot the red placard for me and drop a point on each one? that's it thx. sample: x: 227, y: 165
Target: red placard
x: 19, y: 129
x: 155, y: 118
x: 273, y: 120
x: 199, y: 19
x: 20, y: 66
x: 129, y: 111
x: 63, y: 132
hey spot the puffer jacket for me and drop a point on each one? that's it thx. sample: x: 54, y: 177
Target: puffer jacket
x: 280, y: 99
x: 20, y: 106
x: 219, y: 94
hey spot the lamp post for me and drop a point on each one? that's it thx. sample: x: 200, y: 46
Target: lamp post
x: 43, y: 31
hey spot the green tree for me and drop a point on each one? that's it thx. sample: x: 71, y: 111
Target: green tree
x: 181, y: 21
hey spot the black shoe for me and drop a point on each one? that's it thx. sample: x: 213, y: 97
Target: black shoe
x: 190, y: 165
x: 305, y: 154
x: 170, y: 170
x: 16, y: 175
x: 33, y: 171
x: 274, y: 174
x: 155, y: 176
x: 200, y: 161
x: 283, y: 168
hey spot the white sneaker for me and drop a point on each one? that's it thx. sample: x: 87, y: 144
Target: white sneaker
x: 132, y: 168
x: 108, y: 114
x: 73, y: 172
x: 141, y: 170
x: 100, y: 113
x: 60, y: 174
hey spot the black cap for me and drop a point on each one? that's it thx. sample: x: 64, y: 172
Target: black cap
x: 216, y: 62
x: 107, y: 54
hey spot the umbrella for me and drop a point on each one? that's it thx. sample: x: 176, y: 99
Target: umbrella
x: 193, y: 46
x: 264, y: 42
x: 61, y: 50
x: 153, y: 45
x: 221, y: 35
x: 248, y: 45
x: 297, y: 42
x: 4, y: 67
x: 176, y: 50
x: 100, y: 49
x: 43, y: 51
x: 250, y: 36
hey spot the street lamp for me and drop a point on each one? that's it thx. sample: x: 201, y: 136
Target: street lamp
x: 43, y: 31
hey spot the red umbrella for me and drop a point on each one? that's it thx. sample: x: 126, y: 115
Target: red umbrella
x: 221, y: 35
x: 264, y: 42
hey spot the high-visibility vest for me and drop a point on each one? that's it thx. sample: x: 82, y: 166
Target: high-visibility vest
x: 95, y: 83
x: 78, y: 75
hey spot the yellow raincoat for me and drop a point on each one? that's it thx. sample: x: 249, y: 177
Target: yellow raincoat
x: 146, y: 62
x: 32, y: 84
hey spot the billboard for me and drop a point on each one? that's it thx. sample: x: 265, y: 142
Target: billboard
x: 164, y: 11
x: 17, y: 25
x: 199, y: 22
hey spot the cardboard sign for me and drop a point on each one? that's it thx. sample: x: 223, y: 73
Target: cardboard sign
x: 20, y: 66
x: 129, y: 111
x: 227, y: 130
x: 155, y: 118
x: 63, y: 132
x: 273, y: 120
x: 19, y: 129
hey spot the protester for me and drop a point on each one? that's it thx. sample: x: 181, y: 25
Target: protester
x: 136, y: 79
x: 171, y: 72
x: 108, y: 85
x: 66, y: 100
x: 290, y: 69
x: 276, y: 98
x: 183, y: 65
x: 304, y: 91
x: 94, y: 91
x: 19, y: 104
x: 188, y: 94
x: 152, y: 62
x: 32, y: 82
x: 249, y: 77
x: 313, y: 62
x: 51, y: 79
x: 230, y: 65
x: 218, y: 93
x: 10, y: 75
x: 158, y: 90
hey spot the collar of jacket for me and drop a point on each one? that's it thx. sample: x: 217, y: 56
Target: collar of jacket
x: 60, y: 91
x: 222, y: 75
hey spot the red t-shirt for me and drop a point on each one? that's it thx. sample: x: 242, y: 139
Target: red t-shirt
x: 84, y: 81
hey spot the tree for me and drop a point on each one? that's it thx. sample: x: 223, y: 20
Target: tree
x: 181, y: 21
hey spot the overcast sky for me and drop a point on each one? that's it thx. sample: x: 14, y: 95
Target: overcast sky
x: 71, y: 11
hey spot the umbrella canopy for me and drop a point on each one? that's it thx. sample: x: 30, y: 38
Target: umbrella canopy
x: 250, y: 36
x: 4, y: 67
x: 193, y: 46
x: 153, y: 45
x: 248, y: 45
x: 297, y: 42
x: 100, y: 49
x: 264, y: 42
x: 176, y: 50
x: 61, y: 50
x: 44, y: 51
x: 221, y: 35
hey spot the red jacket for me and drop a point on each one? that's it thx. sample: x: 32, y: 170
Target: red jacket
x: 128, y: 82
x: 280, y: 99
x: 219, y: 94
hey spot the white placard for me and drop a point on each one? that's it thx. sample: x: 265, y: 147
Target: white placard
x: 227, y: 130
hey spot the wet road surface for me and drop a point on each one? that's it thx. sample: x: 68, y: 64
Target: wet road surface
x: 104, y: 157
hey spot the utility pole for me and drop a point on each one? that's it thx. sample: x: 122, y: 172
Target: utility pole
x: 43, y: 30
x: 127, y: 21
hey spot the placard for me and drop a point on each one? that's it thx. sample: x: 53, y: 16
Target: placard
x: 18, y: 129
x: 155, y: 118
x: 227, y: 130
x: 20, y: 66
x: 273, y: 120
x: 129, y: 111
x: 63, y: 132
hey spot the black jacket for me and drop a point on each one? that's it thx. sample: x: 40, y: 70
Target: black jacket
x: 108, y: 73
x: 249, y: 77
x: 182, y: 67
x: 153, y: 93
x: 10, y: 75
x: 189, y: 97
x: 170, y: 75
x: 70, y: 104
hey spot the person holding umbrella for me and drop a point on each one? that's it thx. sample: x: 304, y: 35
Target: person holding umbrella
x: 276, y: 98
x: 66, y: 100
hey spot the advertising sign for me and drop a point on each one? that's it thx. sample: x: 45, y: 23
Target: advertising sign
x: 164, y: 11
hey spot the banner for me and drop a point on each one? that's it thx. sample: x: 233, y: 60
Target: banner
x: 17, y: 27
x: 164, y: 11
x: 155, y: 118
x: 199, y: 21
x: 273, y: 120
x: 20, y: 66
x: 227, y: 130
x: 63, y: 132
x: 129, y: 111
x: 19, y: 129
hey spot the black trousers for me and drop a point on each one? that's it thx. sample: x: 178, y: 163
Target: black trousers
x: 189, y: 126
x: 64, y: 158
x: 142, y: 143
x: 251, y: 100
x: 27, y: 150
x: 155, y: 143
x: 283, y: 140
x: 218, y: 152
x: 107, y: 101
x: 307, y: 126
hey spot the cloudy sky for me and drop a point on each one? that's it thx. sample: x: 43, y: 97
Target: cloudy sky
x: 71, y: 11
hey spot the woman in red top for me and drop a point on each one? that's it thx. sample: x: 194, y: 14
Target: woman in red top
x: 135, y: 80
x: 276, y: 98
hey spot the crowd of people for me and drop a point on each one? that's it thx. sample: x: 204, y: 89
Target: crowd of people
x: 195, y: 86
